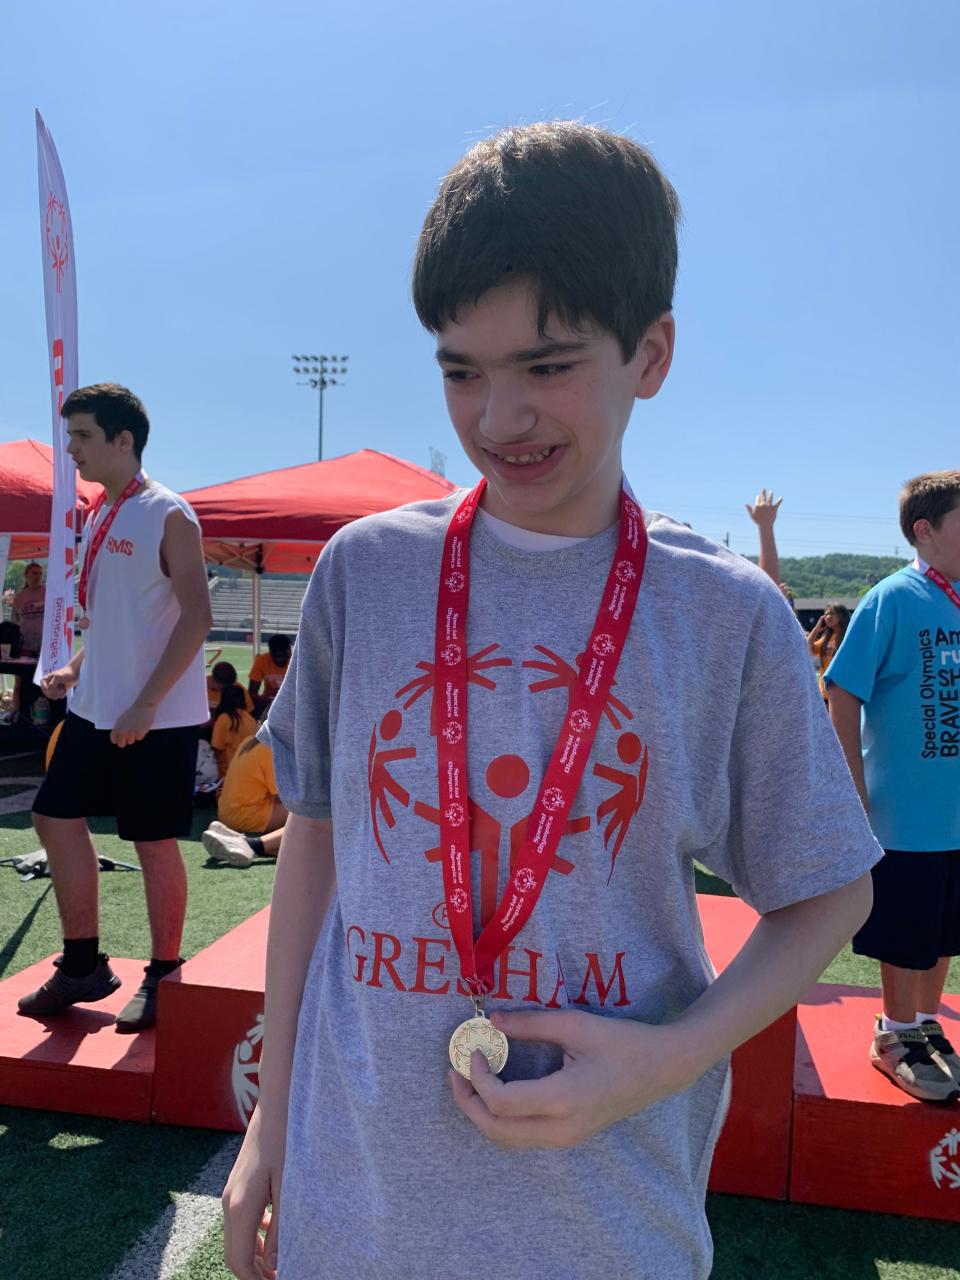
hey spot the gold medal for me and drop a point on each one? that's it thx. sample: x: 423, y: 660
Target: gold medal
x: 478, y: 1032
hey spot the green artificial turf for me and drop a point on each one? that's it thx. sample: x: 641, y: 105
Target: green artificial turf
x: 78, y: 1191
x: 220, y: 897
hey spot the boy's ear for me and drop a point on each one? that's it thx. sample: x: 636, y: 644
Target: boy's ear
x: 655, y: 355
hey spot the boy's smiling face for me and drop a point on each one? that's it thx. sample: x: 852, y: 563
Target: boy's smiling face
x: 542, y: 416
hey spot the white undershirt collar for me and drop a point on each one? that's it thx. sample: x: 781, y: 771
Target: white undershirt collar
x: 529, y: 539
x: 525, y: 539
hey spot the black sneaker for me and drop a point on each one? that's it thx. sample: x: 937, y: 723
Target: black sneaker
x: 140, y: 1011
x: 61, y: 991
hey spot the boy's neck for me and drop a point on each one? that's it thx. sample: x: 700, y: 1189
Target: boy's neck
x: 114, y: 485
x: 583, y: 517
x: 950, y: 571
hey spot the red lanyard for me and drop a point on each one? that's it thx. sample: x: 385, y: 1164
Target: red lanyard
x: 96, y: 542
x: 943, y: 583
x: 562, y: 778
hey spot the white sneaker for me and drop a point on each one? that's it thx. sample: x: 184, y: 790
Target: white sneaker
x: 910, y: 1062
x: 226, y: 846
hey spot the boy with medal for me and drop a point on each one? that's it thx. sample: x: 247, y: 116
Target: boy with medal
x: 128, y: 747
x: 513, y: 719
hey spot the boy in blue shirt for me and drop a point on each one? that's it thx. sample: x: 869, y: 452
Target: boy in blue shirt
x: 898, y: 670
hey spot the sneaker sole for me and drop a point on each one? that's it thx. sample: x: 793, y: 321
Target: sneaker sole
x: 915, y: 1091
x: 221, y: 853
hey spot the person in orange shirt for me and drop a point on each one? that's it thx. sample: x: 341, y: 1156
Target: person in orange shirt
x: 269, y: 669
x: 248, y: 802
x: 222, y: 676
x: 825, y: 639
x: 231, y: 725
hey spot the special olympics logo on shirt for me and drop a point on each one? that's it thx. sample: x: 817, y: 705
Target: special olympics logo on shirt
x: 456, y: 581
x: 453, y: 732
x: 580, y: 722
x: 624, y: 572
x: 524, y: 880
x: 451, y: 654
x: 454, y: 814
x: 553, y: 799
x: 603, y: 646
x: 458, y: 900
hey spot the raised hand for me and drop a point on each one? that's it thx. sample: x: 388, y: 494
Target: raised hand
x: 764, y: 511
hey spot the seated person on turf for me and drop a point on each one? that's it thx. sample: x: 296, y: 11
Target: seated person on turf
x: 248, y: 803
x: 231, y: 726
x: 563, y: 824
x: 269, y: 669
x: 222, y: 676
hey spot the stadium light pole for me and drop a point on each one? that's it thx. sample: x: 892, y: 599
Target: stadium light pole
x: 320, y: 372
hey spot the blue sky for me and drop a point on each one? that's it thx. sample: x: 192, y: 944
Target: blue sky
x: 248, y: 181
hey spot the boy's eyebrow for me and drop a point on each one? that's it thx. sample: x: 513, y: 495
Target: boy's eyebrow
x: 446, y: 355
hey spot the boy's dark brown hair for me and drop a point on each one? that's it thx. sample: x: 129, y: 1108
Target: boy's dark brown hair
x: 582, y: 215
x: 114, y: 408
x: 930, y: 496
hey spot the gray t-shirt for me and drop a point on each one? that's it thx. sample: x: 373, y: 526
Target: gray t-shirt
x: 715, y: 746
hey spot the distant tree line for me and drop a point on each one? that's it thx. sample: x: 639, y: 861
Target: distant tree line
x: 835, y: 575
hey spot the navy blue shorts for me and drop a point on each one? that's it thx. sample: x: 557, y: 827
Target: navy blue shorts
x: 916, y: 909
x: 147, y: 787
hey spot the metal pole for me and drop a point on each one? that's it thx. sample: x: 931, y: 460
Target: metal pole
x: 255, y: 623
x: 320, y: 423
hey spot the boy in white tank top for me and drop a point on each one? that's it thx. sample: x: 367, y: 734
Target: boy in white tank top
x: 128, y: 746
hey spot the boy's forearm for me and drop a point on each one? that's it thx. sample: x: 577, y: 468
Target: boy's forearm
x: 187, y: 636
x: 303, y: 890
x: 783, y: 957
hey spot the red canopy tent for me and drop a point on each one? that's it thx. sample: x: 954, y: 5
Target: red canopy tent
x: 279, y: 521
x: 26, y: 491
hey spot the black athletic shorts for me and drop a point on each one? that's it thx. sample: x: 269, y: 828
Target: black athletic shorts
x: 916, y: 910
x: 147, y: 787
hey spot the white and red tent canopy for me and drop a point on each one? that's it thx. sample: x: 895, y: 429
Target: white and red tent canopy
x: 279, y: 521
x: 26, y: 490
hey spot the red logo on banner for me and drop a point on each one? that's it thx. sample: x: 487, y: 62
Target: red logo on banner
x: 58, y: 241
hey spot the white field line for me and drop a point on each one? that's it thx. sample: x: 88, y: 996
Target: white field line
x: 167, y: 1246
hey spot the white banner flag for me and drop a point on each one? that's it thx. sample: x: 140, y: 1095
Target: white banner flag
x: 60, y: 296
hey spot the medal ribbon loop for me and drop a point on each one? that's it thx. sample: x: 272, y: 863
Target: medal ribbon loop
x: 96, y: 542
x: 562, y: 778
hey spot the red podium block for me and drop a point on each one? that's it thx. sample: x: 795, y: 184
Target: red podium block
x: 75, y: 1061
x: 209, y: 1028
x: 753, y: 1154
x: 859, y: 1142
